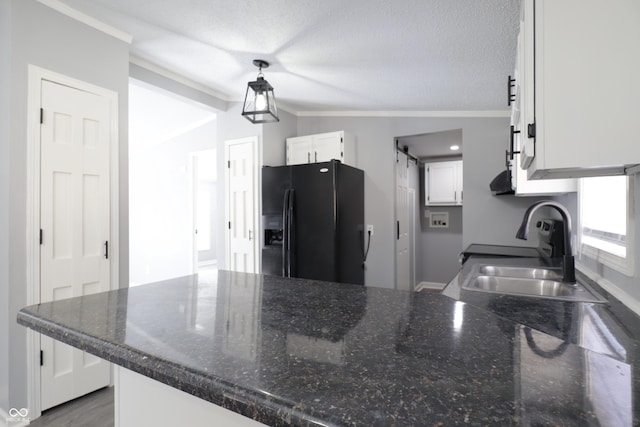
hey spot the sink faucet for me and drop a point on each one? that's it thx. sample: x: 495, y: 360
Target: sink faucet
x: 568, y: 264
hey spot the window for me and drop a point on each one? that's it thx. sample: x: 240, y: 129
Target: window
x: 606, y: 221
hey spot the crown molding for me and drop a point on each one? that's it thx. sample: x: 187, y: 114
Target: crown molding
x: 426, y: 114
x: 157, y: 69
x: 67, y: 10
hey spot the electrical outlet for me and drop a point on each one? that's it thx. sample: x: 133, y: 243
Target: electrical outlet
x: 370, y: 229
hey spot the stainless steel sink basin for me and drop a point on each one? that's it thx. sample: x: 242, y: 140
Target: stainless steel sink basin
x: 531, y: 287
x: 523, y: 272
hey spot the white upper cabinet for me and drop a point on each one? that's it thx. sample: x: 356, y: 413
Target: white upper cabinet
x: 321, y: 148
x: 299, y: 150
x: 443, y: 183
x: 580, y: 87
x: 521, y: 184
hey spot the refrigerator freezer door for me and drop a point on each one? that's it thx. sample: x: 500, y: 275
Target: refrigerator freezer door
x: 276, y: 183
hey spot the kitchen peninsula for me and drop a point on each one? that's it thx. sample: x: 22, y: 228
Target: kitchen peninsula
x: 307, y: 353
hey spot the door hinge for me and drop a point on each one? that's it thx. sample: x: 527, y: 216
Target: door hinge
x: 106, y: 249
x: 41, y: 234
x: 41, y: 358
x: 228, y: 164
x: 229, y: 225
x: 41, y: 115
x: 531, y: 130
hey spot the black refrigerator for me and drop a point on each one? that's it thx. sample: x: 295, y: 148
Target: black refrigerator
x: 313, y: 222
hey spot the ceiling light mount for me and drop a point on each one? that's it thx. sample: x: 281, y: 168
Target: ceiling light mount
x: 260, y: 64
x: 259, y: 101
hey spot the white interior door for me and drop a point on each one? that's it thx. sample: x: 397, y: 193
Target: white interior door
x: 403, y: 266
x: 74, y: 218
x: 241, y: 202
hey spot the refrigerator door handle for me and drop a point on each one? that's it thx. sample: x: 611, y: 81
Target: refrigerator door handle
x: 335, y: 197
x: 291, y: 238
x: 285, y: 236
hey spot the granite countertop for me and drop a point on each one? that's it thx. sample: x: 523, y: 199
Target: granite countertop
x: 306, y: 353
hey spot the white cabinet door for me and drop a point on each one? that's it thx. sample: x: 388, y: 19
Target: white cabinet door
x: 459, y: 181
x: 299, y: 150
x: 582, y: 64
x: 327, y: 146
x: 443, y: 183
x: 322, y: 147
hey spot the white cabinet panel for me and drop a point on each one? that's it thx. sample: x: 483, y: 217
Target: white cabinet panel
x: 581, y: 62
x: 327, y: 146
x: 443, y: 183
x: 299, y: 150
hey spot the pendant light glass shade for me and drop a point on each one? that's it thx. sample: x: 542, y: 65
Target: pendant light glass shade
x: 259, y: 101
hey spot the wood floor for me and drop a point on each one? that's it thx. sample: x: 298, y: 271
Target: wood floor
x: 92, y: 410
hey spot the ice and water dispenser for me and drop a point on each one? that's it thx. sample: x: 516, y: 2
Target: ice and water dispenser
x: 272, y: 249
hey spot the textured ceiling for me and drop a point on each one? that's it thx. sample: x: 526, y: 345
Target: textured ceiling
x: 331, y: 55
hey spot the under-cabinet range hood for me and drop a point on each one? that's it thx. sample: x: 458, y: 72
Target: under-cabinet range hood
x: 501, y: 184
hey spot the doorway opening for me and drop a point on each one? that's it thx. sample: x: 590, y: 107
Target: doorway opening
x: 204, y: 195
x: 172, y: 142
x: 427, y: 250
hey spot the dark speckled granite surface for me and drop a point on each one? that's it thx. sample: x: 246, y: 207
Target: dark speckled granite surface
x: 298, y: 352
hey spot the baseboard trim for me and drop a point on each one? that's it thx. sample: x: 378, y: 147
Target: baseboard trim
x: 430, y: 285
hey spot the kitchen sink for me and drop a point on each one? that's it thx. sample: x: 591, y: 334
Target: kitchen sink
x: 529, y: 282
x: 523, y: 272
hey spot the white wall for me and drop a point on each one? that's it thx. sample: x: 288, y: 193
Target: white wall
x: 161, y: 221
x: 45, y: 38
x: 440, y: 246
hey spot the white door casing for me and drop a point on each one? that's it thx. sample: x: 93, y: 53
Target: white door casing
x: 242, y: 202
x: 98, y: 180
x: 403, y: 276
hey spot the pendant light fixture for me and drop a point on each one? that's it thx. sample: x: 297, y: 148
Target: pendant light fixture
x: 259, y: 101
